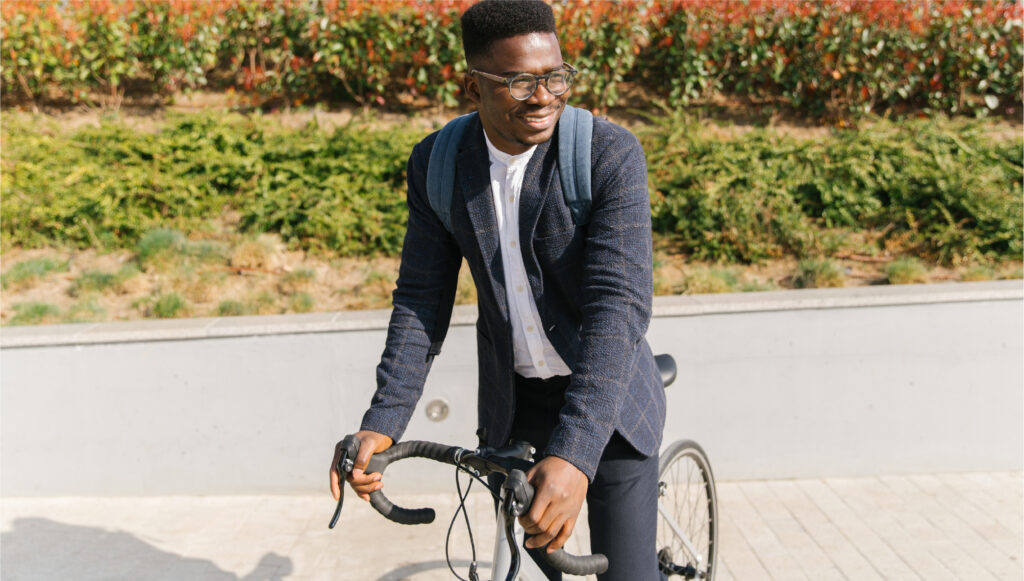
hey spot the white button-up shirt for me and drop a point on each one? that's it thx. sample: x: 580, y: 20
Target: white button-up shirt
x: 534, y: 355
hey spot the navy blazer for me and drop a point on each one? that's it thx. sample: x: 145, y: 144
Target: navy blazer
x: 592, y: 285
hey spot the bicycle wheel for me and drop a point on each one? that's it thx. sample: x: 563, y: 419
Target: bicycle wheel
x: 687, y: 513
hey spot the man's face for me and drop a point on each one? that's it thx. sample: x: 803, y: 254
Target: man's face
x: 515, y: 126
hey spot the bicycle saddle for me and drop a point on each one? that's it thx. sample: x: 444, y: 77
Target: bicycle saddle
x: 667, y: 368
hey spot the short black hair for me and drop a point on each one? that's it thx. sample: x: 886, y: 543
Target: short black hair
x: 491, y: 20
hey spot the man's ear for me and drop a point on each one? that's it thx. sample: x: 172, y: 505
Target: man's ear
x: 471, y: 88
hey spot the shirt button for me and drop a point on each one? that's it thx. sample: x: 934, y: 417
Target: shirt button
x: 529, y: 329
x: 519, y: 289
x: 512, y: 244
x: 511, y: 198
x: 540, y: 363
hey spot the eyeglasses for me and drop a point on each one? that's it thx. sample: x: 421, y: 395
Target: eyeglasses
x: 522, y: 86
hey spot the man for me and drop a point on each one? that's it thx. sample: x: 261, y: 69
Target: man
x: 563, y: 308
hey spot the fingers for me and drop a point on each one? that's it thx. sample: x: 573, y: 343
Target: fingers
x: 549, y: 522
x: 563, y: 536
x: 334, y: 477
x: 363, y: 457
x: 555, y: 535
x: 335, y: 484
x: 363, y: 484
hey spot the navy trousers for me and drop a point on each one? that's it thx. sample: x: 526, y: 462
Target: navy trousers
x: 622, y: 501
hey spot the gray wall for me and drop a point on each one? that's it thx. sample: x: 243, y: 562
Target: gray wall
x: 859, y: 381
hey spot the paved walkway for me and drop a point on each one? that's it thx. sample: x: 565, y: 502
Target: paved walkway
x: 950, y: 526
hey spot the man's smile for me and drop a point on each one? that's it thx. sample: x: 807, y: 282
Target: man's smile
x: 541, y: 120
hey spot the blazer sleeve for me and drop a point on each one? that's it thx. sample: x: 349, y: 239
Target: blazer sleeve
x: 422, y: 306
x: 617, y: 293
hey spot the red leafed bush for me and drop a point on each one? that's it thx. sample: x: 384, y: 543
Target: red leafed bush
x: 838, y: 56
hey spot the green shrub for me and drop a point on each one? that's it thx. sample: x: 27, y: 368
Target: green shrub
x: 938, y: 189
x: 818, y: 273
x: 950, y: 194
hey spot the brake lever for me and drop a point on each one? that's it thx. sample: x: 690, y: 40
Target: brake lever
x: 346, y: 461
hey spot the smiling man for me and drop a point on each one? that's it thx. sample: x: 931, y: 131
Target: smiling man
x: 563, y: 307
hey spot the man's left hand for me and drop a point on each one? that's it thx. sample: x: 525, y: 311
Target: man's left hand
x: 559, y: 491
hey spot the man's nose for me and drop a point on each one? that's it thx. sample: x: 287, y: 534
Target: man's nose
x: 541, y: 96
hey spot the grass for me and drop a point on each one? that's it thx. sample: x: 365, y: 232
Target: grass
x: 716, y: 280
x: 91, y: 281
x: 231, y: 308
x: 169, y: 306
x: 906, y: 270
x: 301, y: 302
x: 263, y: 303
x: 978, y: 272
x: 28, y: 273
x: 251, y: 254
x: 297, y: 281
x: 34, y: 313
x: 818, y: 273
x: 85, y: 311
x: 157, y: 247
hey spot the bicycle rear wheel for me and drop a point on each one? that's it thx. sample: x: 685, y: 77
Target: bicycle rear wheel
x: 687, y: 513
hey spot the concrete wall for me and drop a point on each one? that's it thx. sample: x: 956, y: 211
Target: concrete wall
x: 858, y: 381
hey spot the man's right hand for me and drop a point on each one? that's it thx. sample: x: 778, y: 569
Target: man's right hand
x: 369, y: 444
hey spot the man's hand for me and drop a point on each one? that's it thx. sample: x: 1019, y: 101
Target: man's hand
x: 559, y: 491
x: 369, y: 444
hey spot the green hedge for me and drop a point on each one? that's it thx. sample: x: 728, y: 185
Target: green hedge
x: 820, y: 57
x: 107, y: 186
x: 941, y: 190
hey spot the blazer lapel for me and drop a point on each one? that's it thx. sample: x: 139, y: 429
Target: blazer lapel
x: 537, y: 185
x: 473, y: 178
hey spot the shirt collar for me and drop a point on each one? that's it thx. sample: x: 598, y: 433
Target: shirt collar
x: 507, y: 159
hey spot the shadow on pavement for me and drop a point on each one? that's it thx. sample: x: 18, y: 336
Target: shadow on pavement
x: 39, y: 549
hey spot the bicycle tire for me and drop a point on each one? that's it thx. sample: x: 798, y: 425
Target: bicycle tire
x: 686, y: 490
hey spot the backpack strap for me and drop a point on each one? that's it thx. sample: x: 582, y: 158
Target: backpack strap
x: 441, y: 168
x: 575, y: 136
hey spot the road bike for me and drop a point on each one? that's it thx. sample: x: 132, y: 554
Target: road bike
x: 687, y: 503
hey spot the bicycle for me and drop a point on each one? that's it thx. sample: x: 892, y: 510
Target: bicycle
x: 687, y: 503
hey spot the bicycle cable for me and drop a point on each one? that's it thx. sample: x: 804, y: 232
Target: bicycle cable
x: 451, y: 526
x: 462, y: 507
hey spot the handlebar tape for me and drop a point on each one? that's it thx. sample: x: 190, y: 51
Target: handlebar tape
x: 577, y: 564
x: 411, y: 449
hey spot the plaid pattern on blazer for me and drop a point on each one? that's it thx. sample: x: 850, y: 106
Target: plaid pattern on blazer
x: 592, y: 285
